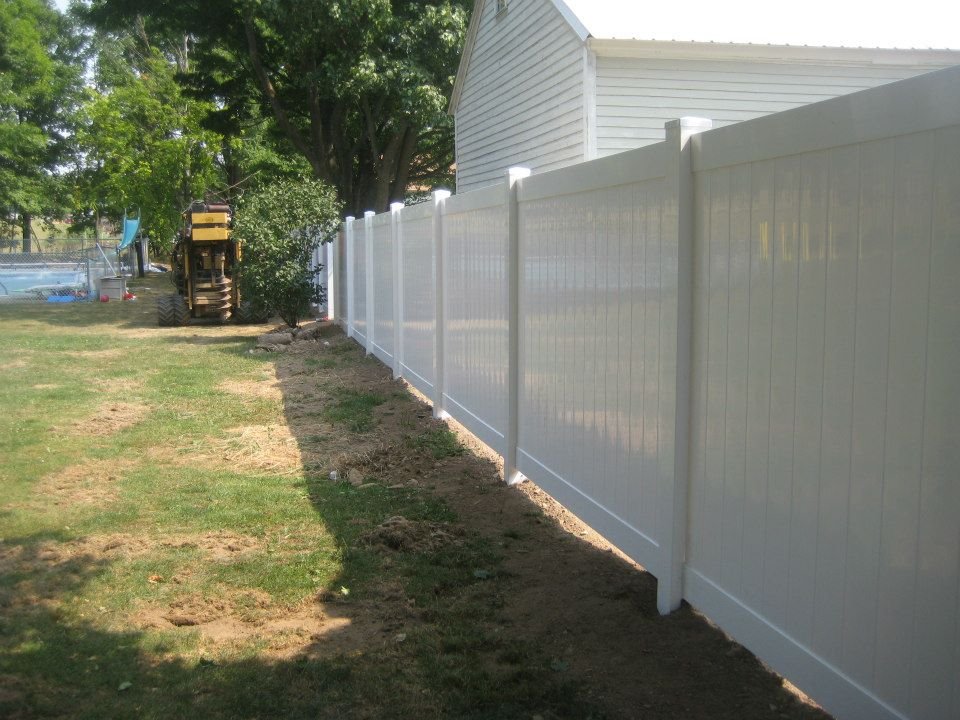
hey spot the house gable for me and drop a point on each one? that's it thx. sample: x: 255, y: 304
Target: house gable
x: 519, y: 96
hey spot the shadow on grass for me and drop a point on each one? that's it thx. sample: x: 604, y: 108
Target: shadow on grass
x: 528, y: 618
x: 457, y: 598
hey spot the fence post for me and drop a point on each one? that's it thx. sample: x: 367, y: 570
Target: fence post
x: 351, y: 280
x: 678, y: 218
x: 331, y: 278
x: 368, y: 275
x: 511, y: 475
x: 438, y: 240
x: 396, y: 238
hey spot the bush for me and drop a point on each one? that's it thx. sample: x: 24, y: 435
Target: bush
x: 279, y: 226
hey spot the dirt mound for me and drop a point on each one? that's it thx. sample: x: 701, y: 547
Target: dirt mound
x: 403, y: 535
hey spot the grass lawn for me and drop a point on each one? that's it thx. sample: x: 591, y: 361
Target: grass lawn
x: 171, y: 543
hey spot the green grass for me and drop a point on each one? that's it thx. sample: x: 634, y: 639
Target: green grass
x: 80, y: 577
x: 353, y: 409
x: 440, y: 443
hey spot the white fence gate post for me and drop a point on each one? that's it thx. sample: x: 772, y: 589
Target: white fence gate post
x: 438, y: 277
x: 368, y: 275
x: 510, y: 473
x: 678, y: 228
x: 395, y: 240
x: 351, y: 280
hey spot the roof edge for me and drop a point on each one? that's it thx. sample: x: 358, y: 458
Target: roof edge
x: 679, y: 49
x: 572, y: 20
x: 468, y: 44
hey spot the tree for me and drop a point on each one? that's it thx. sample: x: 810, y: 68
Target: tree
x: 357, y: 87
x: 141, y: 140
x: 40, y: 89
x: 279, y: 226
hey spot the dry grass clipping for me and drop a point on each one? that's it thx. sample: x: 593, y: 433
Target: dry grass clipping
x: 111, y: 417
x: 254, y: 448
x: 91, y: 482
x: 266, y: 390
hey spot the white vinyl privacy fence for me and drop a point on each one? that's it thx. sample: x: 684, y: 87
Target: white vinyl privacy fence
x: 737, y: 355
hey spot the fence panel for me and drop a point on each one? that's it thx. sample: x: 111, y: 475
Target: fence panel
x: 475, y: 312
x: 383, y: 272
x: 590, y: 293
x: 419, y: 305
x: 824, y: 326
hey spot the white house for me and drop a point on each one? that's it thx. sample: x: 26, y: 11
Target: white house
x: 549, y: 83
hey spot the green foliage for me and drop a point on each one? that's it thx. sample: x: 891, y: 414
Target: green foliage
x: 142, y: 141
x: 279, y: 226
x: 40, y: 87
x: 357, y: 88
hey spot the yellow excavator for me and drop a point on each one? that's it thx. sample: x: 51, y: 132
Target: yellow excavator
x: 204, y: 268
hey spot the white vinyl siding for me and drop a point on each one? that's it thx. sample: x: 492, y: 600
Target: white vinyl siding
x: 636, y: 96
x: 522, y: 96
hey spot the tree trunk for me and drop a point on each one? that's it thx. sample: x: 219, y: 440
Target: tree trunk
x: 401, y: 178
x: 27, y: 225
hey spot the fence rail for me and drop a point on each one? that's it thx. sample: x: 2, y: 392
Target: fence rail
x: 735, y: 354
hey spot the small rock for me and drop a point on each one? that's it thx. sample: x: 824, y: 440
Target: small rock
x: 334, y: 476
x: 400, y: 637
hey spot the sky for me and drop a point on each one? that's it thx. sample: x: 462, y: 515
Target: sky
x: 838, y: 23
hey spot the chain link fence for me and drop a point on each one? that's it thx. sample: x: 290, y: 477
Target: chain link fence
x: 66, y: 276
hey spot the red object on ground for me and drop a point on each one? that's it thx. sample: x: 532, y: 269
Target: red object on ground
x: 128, y: 295
x: 104, y: 298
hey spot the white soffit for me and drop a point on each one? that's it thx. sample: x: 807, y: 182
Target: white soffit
x: 920, y: 24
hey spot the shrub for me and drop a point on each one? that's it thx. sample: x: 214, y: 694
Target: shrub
x: 279, y: 226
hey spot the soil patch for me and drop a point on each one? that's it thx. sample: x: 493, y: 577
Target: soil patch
x: 238, y: 618
x: 220, y: 546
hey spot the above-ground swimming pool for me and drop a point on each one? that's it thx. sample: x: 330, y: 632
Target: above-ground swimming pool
x: 26, y: 282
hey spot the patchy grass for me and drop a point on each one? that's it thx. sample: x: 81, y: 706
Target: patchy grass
x: 439, y: 442
x: 353, y: 409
